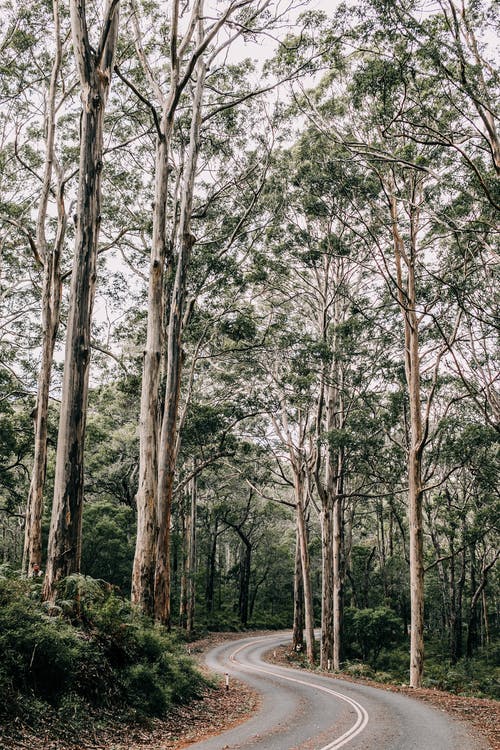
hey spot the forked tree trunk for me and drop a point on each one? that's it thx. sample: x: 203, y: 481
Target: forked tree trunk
x: 51, y: 301
x: 50, y: 324
x: 151, y: 570
x: 95, y: 68
x: 146, y: 498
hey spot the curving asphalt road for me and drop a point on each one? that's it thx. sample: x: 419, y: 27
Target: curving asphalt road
x: 305, y: 711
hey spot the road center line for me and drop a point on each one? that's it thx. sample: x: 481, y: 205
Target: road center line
x: 361, y: 713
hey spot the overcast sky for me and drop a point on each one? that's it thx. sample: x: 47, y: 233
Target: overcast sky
x: 265, y: 48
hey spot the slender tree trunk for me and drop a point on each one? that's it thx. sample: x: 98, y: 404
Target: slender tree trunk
x: 338, y: 569
x: 486, y: 625
x: 50, y: 324
x: 305, y: 564
x: 147, y: 530
x: 298, y: 600
x: 406, y: 293
x: 336, y: 483
x: 183, y: 605
x: 191, y: 578
x: 64, y: 549
x: 330, y: 487
x: 477, y: 592
x: 211, y: 567
x: 327, y: 578
x: 472, y: 618
x: 51, y: 301
x: 416, y: 568
x: 245, y: 567
x: 169, y: 445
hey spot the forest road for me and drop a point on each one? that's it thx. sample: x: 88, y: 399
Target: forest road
x: 304, y: 711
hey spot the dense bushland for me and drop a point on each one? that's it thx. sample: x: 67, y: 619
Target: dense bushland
x: 87, y: 654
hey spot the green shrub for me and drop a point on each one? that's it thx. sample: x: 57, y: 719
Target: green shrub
x: 468, y: 676
x: 368, y: 631
x: 145, y: 690
x: 40, y: 655
x: 357, y: 669
x: 91, y: 652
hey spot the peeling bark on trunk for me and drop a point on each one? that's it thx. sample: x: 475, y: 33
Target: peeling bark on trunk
x: 338, y: 568
x: 64, y: 550
x: 305, y: 564
x: 50, y: 324
x: 146, y: 540
x: 327, y: 578
x: 330, y: 486
x: 159, y: 448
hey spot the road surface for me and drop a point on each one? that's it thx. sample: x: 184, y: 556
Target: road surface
x: 304, y: 711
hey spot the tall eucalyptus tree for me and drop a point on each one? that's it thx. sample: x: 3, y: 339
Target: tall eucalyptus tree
x: 95, y: 67
x: 48, y: 254
x: 191, y: 53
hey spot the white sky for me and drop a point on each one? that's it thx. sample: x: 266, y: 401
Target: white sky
x: 265, y: 47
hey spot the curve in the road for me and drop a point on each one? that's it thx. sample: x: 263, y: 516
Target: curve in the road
x: 361, y: 712
x: 316, y: 712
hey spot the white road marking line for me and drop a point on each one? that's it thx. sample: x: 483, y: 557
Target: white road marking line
x: 362, y: 713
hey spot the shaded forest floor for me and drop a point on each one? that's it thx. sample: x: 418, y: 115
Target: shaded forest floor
x: 220, y: 709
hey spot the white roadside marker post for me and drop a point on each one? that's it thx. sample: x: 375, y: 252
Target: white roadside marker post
x: 227, y: 681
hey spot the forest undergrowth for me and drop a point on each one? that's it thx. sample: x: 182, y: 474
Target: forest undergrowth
x: 85, y: 663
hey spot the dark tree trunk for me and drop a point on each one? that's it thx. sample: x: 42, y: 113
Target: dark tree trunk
x: 244, y: 597
x: 298, y: 601
x: 211, y: 568
x: 191, y: 578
